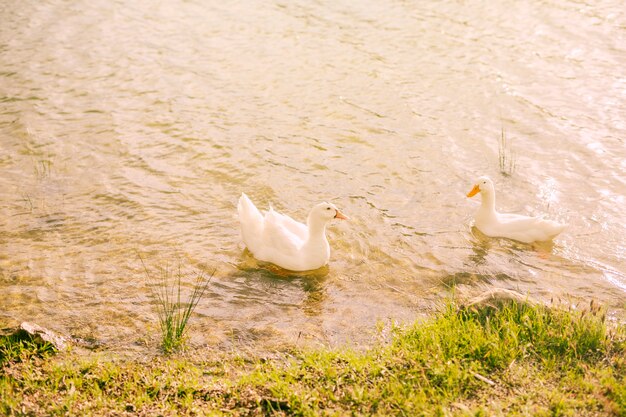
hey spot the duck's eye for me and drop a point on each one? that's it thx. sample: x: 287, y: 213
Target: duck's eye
x: 327, y: 208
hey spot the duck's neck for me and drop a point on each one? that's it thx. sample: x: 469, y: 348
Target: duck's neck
x: 487, y: 206
x: 316, y: 249
x: 317, y: 229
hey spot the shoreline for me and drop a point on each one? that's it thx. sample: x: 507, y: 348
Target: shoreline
x: 502, y: 357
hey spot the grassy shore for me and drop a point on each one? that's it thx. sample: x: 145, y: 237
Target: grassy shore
x: 515, y: 360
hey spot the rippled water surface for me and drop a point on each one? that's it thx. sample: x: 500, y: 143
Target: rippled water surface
x: 130, y: 129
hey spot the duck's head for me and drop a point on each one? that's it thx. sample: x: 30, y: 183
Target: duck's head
x: 326, y: 212
x: 484, y: 185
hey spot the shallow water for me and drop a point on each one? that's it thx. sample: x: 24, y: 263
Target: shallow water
x: 130, y: 130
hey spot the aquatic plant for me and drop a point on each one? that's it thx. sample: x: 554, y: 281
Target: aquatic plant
x: 166, y: 289
x: 506, y: 158
x: 43, y: 168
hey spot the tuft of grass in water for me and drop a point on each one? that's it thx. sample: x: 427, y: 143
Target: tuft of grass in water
x: 43, y: 168
x: 519, y: 359
x: 28, y: 204
x: 506, y: 159
x: 173, y: 312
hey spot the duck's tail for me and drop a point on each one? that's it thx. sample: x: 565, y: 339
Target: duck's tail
x: 554, y: 228
x: 251, y: 222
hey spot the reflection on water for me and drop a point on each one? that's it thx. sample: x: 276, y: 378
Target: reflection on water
x: 134, y: 128
x: 312, y: 283
x: 480, y: 247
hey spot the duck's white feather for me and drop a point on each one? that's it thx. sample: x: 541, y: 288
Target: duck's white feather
x: 298, y: 229
x: 251, y: 220
x: 277, y: 238
x: 512, y: 226
x: 522, y: 228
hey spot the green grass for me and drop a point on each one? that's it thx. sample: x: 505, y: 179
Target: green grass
x: 14, y: 348
x: 173, y: 313
x: 518, y: 360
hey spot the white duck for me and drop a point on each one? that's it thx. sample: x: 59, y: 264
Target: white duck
x: 279, y: 239
x: 512, y: 226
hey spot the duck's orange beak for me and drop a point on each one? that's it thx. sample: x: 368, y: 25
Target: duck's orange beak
x: 474, y: 191
x: 340, y: 215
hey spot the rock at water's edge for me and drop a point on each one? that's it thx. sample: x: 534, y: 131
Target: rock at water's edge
x: 40, y: 335
x: 496, y: 298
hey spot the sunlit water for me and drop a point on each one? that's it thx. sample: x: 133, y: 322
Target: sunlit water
x: 130, y: 129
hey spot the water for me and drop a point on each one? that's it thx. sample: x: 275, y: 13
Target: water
x: 130, y: 130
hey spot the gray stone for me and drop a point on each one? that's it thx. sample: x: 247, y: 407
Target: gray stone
x: 41, y: 335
